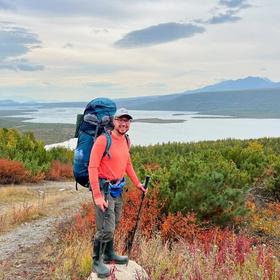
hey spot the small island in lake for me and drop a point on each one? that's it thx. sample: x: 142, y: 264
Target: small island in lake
x: 157, y: 120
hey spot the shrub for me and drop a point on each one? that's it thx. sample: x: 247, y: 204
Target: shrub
x: 59, y: 171
x: 61, y: 154
x: 177, y: 226
x: 36, y: 160
x: 12, y: 172
x: 208, y: 185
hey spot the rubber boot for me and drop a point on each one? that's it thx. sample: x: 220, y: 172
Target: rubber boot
x: 98, y: 266
x: 110, y: 255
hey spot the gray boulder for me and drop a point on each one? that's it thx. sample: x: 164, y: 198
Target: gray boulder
x: 132, y: 271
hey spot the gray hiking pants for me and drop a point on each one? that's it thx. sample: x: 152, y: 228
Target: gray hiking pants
x: 110, y: 218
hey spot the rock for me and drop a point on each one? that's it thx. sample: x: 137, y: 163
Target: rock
x: 131, y: 271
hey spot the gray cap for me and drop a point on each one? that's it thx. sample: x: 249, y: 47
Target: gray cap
x: 122, y: 112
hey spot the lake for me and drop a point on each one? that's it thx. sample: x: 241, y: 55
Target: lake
x: 194, y: 128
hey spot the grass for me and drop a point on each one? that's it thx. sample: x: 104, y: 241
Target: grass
x: 23, y: 204
x: 214, y: 254
x: 185, y: 260
x: 10, y: 195
x: 180, y: 260
x: 208, y: 254
x: 72, y: 247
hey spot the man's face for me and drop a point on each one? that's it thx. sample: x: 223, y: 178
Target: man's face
x: 121, y: 124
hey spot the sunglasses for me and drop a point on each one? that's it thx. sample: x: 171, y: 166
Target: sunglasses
x: 123, y: 120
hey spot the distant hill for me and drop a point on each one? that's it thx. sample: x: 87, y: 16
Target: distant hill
x: 239, y: 84
x: 247, y: 97
x: 247, y: 103
x: 241, y: 98
x: 8, y: 102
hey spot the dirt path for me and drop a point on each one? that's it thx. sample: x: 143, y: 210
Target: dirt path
x: 20, y: 247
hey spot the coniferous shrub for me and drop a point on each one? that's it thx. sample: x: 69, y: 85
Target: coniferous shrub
x: 208, y: 185
x: 211, y: 178
x: 24, y: 148
x: 61, y: 154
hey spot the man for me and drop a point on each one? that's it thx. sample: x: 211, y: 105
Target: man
x: 103, y: 170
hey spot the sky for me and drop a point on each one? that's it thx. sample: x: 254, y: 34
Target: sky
x: 76, y: 50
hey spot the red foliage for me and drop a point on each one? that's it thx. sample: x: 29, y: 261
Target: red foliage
x: 36, y: 178
x: 84, y: 221
x: 265, y: 260
x: 82, y: 224
x: 12, y: 172
x: 225, y: 242
x: 59, y: 171
x: 131, y: 204
x: 149, y: 216
x: 177, y: 226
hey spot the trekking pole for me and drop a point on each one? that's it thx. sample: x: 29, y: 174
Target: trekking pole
x: 131, y: 238
x: 105, y: 214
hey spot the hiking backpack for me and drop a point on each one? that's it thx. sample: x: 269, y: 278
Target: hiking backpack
x: 97, y: 119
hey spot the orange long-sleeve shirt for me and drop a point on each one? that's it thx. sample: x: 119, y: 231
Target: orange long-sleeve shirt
x: 113, y: 167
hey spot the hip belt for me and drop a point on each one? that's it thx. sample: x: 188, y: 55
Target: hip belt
x: 114, y: 187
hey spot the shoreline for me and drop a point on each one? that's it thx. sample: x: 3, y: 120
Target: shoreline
x: 51, y: 133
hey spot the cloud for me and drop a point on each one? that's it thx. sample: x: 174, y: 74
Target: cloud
x: 16, y: 41
x: 228, y: 13
x: 27, y: 66
x: 66, y: 8
x: 20, y: 65
x: 4, y: 5
x: 102, y: 84
x: 100, y: 30
x: 224, y: 18
x: 68, y: 46
x: 235, y: 3
x: 157, y: 34
x: 156, y: 85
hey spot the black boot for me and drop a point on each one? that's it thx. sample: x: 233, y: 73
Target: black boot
x: 110, y: 256
x: 98, y: 266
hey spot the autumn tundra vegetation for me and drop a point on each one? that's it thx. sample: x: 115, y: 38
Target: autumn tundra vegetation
x: 212, y: 210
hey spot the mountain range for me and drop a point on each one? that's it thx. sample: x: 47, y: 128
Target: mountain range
x: 239, y: 84
x: 246, y: 97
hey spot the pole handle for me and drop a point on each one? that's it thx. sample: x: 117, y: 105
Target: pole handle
x: 147, y: 179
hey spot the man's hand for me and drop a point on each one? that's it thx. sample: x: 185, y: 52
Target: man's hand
x: 141, y: 187
x: 101, y: 204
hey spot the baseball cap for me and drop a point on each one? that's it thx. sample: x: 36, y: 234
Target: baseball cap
x: 123, y: 112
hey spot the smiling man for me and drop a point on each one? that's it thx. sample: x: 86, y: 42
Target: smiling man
x: 106, y: 172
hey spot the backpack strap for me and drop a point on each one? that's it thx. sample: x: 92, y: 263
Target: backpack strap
x: 128, y: 141
x: 108, y: 143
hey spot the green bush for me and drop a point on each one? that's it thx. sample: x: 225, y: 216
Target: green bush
x: 208, y: 185
x: 30, y: 152
x: 61, y: 154
x: 210, y: 178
